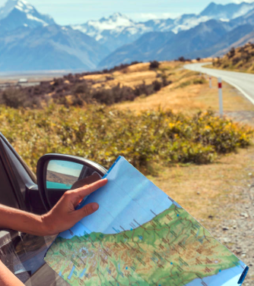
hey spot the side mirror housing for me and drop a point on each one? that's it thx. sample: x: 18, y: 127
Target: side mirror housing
x: 57, y: 173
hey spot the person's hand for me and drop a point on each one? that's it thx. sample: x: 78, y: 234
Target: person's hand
x: 64, y: 216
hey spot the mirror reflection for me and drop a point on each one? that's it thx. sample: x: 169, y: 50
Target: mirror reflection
x: 65, y: 175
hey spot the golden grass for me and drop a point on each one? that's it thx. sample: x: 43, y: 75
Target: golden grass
x: 240, y: 59
x: 209, y: 192
x: 132, y: 75
x: 96, y: 77
x: 138, y: 67
x: 191, y: 98
x: 205, y: 60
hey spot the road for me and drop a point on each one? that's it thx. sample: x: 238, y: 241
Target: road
x: 244, y: 82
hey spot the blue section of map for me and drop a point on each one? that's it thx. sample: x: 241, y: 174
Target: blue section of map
x: 72, y: 270
x: 82, y: 273
x: 229, y: 277
x: 124, y: 204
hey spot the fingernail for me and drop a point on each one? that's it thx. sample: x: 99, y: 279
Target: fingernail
x: 95, y: 207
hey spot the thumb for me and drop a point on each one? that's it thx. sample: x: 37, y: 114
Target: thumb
x: 87, y: 210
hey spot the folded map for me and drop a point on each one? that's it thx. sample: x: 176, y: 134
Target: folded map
x: 140, y: 236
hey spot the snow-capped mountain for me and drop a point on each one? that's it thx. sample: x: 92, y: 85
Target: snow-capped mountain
x: 170, y: 45
x: 116, y: 24
x: 212, y: 11
x: 113, y: 31
x: 227, y: 12
x: 118, y: 30
x: 210, y: 38
x: 32, y: 41
x: 16, y: 13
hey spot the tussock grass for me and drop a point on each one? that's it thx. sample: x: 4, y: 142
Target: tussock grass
x: 239, y: 59
x: 102, y: 134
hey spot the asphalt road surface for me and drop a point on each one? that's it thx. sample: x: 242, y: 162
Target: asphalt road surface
x: 244, y: 82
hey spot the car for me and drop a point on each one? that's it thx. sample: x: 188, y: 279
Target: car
x: 20, y: 188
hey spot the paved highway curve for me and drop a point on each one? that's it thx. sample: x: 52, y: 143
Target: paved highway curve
x: 244, y: 82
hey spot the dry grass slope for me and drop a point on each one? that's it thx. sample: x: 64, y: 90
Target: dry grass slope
x: 239, y: 59
x: 188, y: 93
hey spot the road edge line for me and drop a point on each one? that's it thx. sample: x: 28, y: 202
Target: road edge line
x: 228, y: 81
x: 242, y: 91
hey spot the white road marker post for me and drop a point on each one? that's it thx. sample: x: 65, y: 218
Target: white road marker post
x: 210, y: 82
x: 220, y: 96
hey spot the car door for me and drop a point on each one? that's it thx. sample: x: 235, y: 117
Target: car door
x: 23, y: 254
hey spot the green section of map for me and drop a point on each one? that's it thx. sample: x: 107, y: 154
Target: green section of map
x: 172, y: 249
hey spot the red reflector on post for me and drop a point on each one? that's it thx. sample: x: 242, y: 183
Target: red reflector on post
x: 220, y: 85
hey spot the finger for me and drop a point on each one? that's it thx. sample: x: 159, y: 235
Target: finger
x: 85, y: 181
x: 86, y: 211
x: 87, y: 190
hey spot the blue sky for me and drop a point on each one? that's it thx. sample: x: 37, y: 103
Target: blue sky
x: 79, y: 11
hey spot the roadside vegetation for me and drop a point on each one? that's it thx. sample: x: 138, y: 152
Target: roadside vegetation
x: 102, y: 134
x: 86, y: 115
x: 80, y: 89
x: 239, y: 59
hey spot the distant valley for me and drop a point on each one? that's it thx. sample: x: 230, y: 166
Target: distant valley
x: 30, y: 41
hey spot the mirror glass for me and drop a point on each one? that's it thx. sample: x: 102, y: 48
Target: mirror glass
x: 66, y: 175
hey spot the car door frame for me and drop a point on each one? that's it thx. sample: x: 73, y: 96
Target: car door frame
x: 31, y: 194
x: 11, y: 175
x: 12, y: 237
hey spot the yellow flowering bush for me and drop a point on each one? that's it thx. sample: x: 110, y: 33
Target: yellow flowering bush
x: 102, y: 134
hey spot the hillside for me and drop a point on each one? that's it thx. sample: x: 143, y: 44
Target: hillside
x: 49, y: 47
x: 239, y: 59
x: 136, y: 87
x: 240, y: 34
x: 31, y: 41
x: 210, y: 38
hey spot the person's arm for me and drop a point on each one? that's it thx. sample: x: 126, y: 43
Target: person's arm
x: 62, y: 217
x: 7, y: 278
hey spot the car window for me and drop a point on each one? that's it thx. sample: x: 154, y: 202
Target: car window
x: 7, y: 196
x: 22, y: 176
x: 19, y: 162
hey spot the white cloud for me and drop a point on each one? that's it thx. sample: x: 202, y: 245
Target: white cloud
x: 240, y: 1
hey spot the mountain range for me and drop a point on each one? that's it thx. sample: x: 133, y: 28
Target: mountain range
x: 32, y: 41
x: 118, y: 29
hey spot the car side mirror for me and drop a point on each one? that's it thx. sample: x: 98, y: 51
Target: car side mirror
x: 58, y: 173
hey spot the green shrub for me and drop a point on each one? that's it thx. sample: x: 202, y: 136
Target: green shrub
x: 101, y: 135
x: 154, y: 65
x: 17, y: 98
x: 184, y: 84
x: 199, y: 80
x: 157, y: 85
x: 81, y: 88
